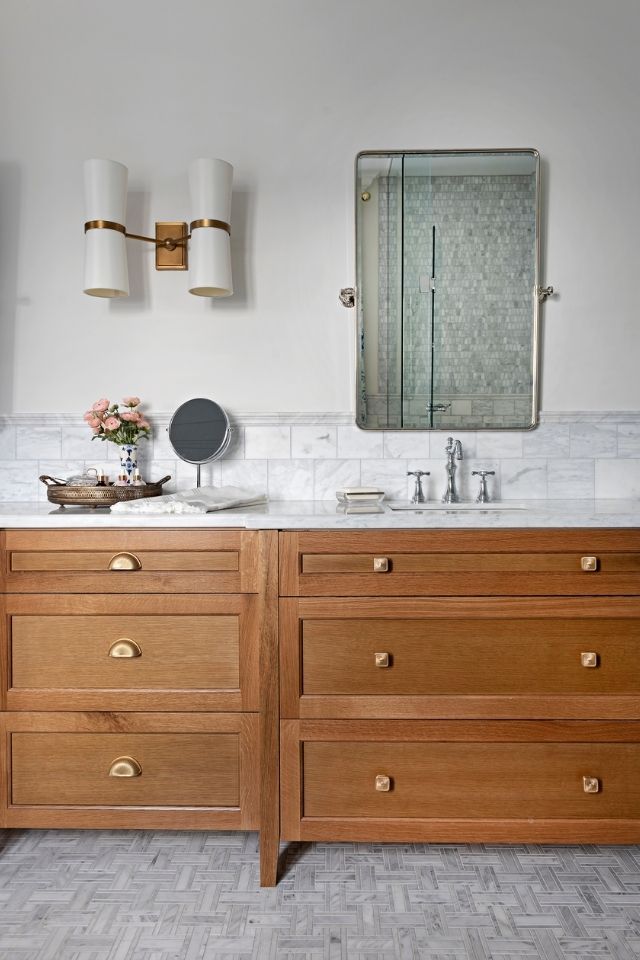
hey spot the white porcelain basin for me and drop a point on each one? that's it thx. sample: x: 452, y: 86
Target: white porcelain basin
x: 464, y: 505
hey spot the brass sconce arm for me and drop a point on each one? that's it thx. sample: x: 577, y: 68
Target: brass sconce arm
x: 162, y: 242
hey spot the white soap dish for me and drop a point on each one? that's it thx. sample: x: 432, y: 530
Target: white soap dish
x: 366, y: 495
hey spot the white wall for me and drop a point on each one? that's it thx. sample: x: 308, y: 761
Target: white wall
x: 288, y: 91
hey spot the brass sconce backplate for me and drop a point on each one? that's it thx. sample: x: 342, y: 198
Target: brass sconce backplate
x: 171, y: 257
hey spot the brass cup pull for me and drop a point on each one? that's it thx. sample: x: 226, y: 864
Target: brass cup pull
x: 124, y: 647
x: 125, y: 561
x: 382, y: 659
x: 589, y: 658
x: 383, y: 783
x: 380, y: 564
x: 125, y: 767
x: 589, y: 564
x: 591, y: 785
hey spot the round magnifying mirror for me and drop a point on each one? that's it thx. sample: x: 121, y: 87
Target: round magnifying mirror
x: 199, y: 431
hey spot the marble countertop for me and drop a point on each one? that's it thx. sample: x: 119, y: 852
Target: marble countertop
x: 325, y: 514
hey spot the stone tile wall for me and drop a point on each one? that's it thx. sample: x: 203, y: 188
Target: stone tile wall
x: 309, y: 457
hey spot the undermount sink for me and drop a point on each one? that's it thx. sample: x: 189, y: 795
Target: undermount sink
x: 463, y: 505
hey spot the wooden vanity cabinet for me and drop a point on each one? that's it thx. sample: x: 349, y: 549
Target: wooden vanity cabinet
x: 131, y: 694
x: 460, y: 685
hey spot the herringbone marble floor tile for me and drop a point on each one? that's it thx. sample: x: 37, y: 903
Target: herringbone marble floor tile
x: 84, y: 895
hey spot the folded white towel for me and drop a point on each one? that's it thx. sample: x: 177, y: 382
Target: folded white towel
x: 195, y: 500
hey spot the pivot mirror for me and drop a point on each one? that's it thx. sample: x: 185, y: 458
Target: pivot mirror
x: 199, y: 431
x: 447, y: 289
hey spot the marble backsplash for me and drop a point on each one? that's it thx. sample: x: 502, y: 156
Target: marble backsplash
x: 309, y: 456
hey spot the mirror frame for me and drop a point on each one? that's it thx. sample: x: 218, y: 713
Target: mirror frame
x: 538, y: 294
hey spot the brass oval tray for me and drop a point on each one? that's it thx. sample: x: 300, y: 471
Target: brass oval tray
x: 65, y: 496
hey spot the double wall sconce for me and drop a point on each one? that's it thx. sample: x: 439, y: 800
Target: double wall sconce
x: 105, y: 265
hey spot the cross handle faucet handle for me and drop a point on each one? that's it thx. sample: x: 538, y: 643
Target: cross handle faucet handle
x: 418, y: 493
x: 483, y: 494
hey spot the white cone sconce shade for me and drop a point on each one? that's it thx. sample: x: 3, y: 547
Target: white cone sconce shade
x: 105, y: 267
x: 105, y: 252
x: 210, y: 249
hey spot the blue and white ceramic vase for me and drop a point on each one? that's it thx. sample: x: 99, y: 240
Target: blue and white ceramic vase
x: 128, y: 460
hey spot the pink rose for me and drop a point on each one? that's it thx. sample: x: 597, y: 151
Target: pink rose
x: 95, y: 423
x: 111, y: 423
x: 131, y: 401
x: 131, y: 417
x: 100, y: 405
x: 144, y: 425
x: 95, y: 429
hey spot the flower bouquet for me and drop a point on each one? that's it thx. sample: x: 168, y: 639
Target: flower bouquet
x: 122, y: 424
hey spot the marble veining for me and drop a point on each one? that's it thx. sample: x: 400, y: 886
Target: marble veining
x: 308, y: 456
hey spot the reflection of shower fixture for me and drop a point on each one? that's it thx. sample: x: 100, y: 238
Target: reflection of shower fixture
x: 437, y: 407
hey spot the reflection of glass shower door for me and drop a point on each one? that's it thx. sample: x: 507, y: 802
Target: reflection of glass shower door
x: 418, y: 233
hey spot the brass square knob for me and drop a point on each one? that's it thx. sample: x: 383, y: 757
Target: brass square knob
x: 382, y: 659
x: 383, y: 783
x: 591, y: 785
x: 589, y: 564
x: 380, y: 564
x: 589, y: 658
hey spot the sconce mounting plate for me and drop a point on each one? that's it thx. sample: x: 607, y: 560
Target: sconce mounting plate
x: 171, y: 256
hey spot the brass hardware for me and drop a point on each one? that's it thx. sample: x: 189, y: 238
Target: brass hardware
x: 348, y: 297
x: 365, y: 195
x: 104, y: 225
x: 124, y: 647
x: 218, y: 224
x: 544, y: 293
x: 589, y: 564
x: 171, y: 245
x: 383, y: 784
x: 589, y: 659
x: 380, y: 564
x: 382, y: 659
x: 125, y: 561
x: 125, y: 767
x: 591, y: 785
x: 170, y: 239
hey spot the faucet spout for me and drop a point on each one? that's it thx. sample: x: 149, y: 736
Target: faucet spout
x: 453, y: 451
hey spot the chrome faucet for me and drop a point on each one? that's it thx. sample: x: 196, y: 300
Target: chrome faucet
x: 453, y: 451
x: 418, y: 493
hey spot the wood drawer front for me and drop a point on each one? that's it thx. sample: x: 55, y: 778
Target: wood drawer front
x: 460, y: 563
x: 165, y: 652
x: 471, y: 780
x: 169, y: 652
x: 374, y: 657
x: 92, y: 561
x: 178, y: 769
